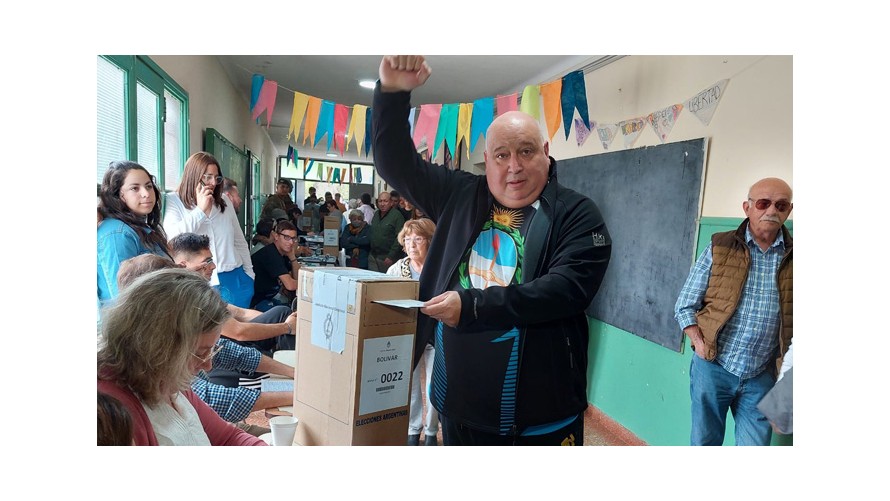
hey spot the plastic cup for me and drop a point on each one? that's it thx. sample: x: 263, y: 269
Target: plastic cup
x: 283, y: 429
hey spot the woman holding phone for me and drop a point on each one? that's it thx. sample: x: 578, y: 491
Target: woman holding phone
x: 199, y: 206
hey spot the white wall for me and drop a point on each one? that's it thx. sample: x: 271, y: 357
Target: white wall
x: 215, y: 103
x: 750, y: 135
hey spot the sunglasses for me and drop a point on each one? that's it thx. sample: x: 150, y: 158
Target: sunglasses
x: 764, y: 204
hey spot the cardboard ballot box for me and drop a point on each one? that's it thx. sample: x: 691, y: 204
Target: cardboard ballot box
x: 331, y: 234
x: 354, y: 357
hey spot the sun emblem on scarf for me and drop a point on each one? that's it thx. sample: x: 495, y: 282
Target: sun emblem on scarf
x: 510, y: 218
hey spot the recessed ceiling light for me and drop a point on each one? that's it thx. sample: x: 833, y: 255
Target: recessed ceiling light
x: 332, y: 155
x: 368, y: 84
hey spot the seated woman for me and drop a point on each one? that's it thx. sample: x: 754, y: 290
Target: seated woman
x: 355, y: 240
x: 160, y: 332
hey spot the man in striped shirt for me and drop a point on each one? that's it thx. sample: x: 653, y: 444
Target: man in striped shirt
x: 736, y: 308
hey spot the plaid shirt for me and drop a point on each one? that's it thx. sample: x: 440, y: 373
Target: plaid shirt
x: 749, y: 339
x: 232, y: 404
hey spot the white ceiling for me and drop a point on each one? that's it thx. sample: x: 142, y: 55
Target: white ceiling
x: 455, y: 79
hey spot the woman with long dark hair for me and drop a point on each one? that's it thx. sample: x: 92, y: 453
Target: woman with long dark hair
x: 199, y: 206
x: 130, y: 211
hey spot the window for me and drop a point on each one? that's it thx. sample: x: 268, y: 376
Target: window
x: 142, y: 116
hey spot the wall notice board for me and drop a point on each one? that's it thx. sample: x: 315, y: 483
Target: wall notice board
x: 650, y: 198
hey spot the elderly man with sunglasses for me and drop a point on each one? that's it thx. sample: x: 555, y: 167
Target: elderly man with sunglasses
x: 736, y: 308
x: 276, y: 268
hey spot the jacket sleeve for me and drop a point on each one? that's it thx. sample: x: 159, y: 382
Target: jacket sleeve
x: 573, y: 270
x: 691, y: 297
x: 396, y: 158
x: 113, y: 249
x: 218, y: 431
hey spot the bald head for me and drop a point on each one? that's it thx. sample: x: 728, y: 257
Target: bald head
x: 512, y: 122
x: 767, y: 207
x: 771, y: 184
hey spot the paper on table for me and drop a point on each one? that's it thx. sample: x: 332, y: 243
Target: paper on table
x: 277, y: 385
x: 401, y: 303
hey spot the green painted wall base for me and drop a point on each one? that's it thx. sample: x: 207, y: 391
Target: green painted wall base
x: 644, y: 386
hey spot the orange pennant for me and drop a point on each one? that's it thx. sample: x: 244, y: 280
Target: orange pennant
x: 550, y: 92
x: 313, y: 110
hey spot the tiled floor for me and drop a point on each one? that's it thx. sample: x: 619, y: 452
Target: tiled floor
x: 599, y: 429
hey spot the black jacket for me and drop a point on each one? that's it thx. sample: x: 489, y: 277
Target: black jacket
x: 567, y: 251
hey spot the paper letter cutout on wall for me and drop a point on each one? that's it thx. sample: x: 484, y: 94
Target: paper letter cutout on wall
x: 606, y: 133
x: 581, y: 131
x: 631, y: 130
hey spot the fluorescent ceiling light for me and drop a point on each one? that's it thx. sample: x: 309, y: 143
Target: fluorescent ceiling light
x: 368, y: 84
x: 332, y: 155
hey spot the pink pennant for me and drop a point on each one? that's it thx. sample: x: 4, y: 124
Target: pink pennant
x: 427, y: 124
x: 506, y: 103
x: 341, y: 116
x: 266, y: 101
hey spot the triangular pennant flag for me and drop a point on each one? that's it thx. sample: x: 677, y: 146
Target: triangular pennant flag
x: 606, y: 133
x: 308, y: 168
x: 296, y: 116
x: 319, y: 173
x: 581, y: 131
x: 463, y: 125
x: 550, y: 93
x: 631, y: 130
x: 266, y: 101
x: 367, y: 136
x: 662, y: 121
x: 256, y: 83
x: 293, y: 155
x: 290, y: 153
x: 357, y: 127
x: 507, y: 103
x: 704, y: 104
x: 325, y: 123
x: 531, y: 102
x: 341, y: 115
x: 447, y: 127
x: 312, y: 111
x: 358, y: 173
x: 483, y: 114
x: 336, y: 178
x: 330, y: 174
x: 574, y: 96
x: 427, y: 124
x: 411, y: 116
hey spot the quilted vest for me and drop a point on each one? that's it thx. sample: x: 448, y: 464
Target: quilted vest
x: 728, y: 274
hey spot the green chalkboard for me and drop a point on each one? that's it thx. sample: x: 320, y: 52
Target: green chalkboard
x: 650, y: 198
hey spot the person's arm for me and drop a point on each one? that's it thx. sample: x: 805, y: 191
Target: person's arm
x: 574, y: 273
x: 233, y: 404
x: 178, y: 219
x: 289, y: 280
x: 233, y: 356
x: 272, y: 366
x: 787, y: 361
x: 249, y: 331
x: 218, y: 431
x: 689, y: 301
x: 114, y: 248
x: 270, y: 399
x: 242, y: 314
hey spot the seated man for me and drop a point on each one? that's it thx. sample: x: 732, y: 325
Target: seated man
x: 276, y: 268
x: 263, y: 235
x: 269, y: 331
x: 233, y: 404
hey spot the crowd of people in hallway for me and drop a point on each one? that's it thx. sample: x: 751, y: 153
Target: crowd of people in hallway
x: 191, y: 312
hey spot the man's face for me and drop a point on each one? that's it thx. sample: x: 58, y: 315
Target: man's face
x: 328, y: 197
x: 282, y: 189
x: 384, y: 203
x: 767, y: 221
x: 236, y: 198
x: 516, y: 160
x: 284, y: 241
x: 201, y: 262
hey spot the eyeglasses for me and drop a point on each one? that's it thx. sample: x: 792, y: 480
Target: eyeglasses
x: 287, y: 238
x: 213, y: 351
x: 415, y: 241
x: 207, y: 262
x: 210, y: 177
x: 764, y: 204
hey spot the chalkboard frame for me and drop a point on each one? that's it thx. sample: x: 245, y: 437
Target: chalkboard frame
x: 650, y: 198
